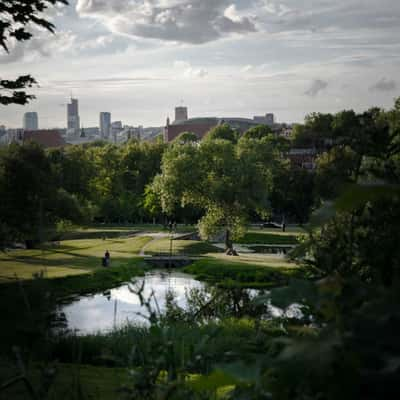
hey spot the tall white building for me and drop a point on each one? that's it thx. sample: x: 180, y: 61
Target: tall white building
x: 105, y: 125
x: 31, y: 121
x: 73, y: 120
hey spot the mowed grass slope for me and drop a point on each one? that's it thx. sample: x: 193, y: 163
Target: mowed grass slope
x: 83, y: 254
x: 70, y: 257
x: 243, y: 272
x: 180, y: 247
x: 272, y: 236
x: 109, y: 230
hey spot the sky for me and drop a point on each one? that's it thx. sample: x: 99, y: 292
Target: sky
x: 138, y: 59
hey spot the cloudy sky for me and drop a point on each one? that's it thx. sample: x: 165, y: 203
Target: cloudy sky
x: 141, y: 58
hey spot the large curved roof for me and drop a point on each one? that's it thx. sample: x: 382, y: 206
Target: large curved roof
x: 201, y: 120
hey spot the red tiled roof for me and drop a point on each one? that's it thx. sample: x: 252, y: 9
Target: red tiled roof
x: 200, y: 130
x: 46, y: 138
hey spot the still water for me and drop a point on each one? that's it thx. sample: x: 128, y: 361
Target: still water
x: 116, y: 307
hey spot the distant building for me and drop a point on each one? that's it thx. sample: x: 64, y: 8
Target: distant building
x: 239, y: 124
x: 181, y: 114
x: 31, y: 121
x: 73, y: 120
x: 14, y: 136
x: 116, y: 125
x: 303, y: 157
x: 270, y: 119
x: 267, y: 119
x: 46, y: 138
x: 133, y: 132
x: 151, y: 133
x: 116, y: 128
x: 199, y: 127
x: 105, y: 125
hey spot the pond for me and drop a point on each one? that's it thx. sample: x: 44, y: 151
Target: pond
x: 116, y: 307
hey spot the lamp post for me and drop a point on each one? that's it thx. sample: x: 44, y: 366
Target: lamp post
x: 172, y: 229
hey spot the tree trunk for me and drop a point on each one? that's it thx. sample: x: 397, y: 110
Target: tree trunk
x: 228, y: 242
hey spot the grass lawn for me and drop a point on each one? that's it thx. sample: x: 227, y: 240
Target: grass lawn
x: 83, y: 255
x: 261, y: 260
x: 98, y: 231
x: 272, y: 236
x: 186, y: 247
x: 246, y: 270
x: 71, y: 257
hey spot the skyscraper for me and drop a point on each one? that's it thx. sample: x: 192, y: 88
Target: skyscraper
x: 105, y: 125
x: 31, y: 121
x: 73, y: 121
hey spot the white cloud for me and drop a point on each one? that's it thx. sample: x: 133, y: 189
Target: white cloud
x: 247, y: 68
x: 267, y: 53
x: 188, y: 71
x: 43, y: 44
x: 186, y: 21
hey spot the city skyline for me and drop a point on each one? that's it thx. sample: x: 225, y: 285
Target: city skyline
x: 106, y: 123
x: 234, y: 58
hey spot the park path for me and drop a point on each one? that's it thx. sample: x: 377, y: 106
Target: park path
x: 155, y: 236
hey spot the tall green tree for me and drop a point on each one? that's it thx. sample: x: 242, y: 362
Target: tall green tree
x: 27, y: 190
x: 316, y: 132
x: 223, y: 131
x: 258, y: 132
x: 224, y: 179
x: 293, y: 193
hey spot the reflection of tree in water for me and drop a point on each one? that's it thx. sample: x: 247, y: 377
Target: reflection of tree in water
x: 202, y: 304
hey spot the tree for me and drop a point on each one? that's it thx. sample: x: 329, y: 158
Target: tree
x: 16, y: 19
x: 223, y: 178
x: 360, y: 173
x: 335, y: 168
x: 293, y: 193
x: 316, y: 132
x: 151, y: 203
x: 27, y: 190
x: 258, y: 132
x: 186, y: 137
x: 73, y: 169
x: 361, y: 242
x: 223, y: 131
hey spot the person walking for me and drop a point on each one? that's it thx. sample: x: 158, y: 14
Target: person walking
x: 107, y: 258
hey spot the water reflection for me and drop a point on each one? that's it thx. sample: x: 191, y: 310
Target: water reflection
x: 102, y: 312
